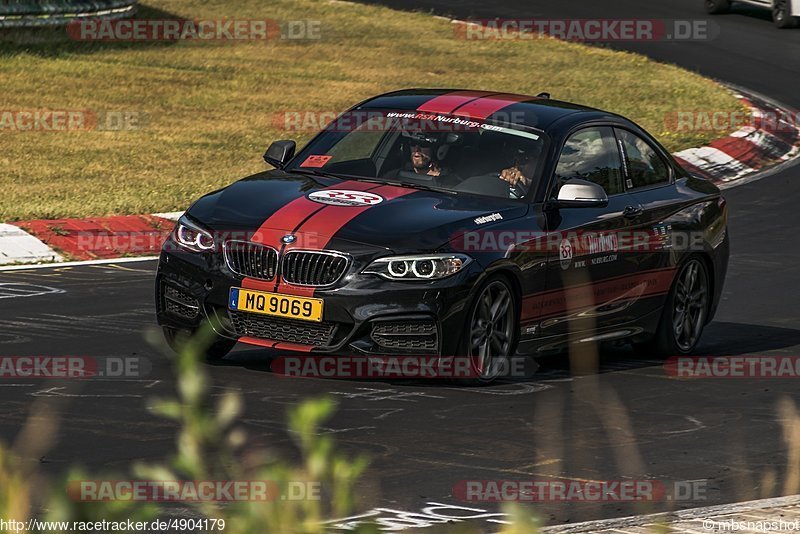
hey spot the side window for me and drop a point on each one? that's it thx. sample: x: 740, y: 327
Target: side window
x: 591, y: 154
x: 645, y: 166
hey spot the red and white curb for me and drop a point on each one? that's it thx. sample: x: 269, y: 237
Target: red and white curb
x: 749, y: 151
x: 746, y: 155
x: 94, y: 239
x: 18, y: 246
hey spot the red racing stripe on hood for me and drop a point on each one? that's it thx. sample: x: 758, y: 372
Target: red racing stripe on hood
x: 286, y: 220
x: 323, y: 225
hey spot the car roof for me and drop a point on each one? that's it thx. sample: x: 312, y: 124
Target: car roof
x: 532, y: 111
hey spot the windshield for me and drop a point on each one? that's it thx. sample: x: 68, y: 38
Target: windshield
x: 445, y: 152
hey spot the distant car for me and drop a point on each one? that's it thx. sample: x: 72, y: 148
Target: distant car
x: 785, y: 13
x: 453, y: 223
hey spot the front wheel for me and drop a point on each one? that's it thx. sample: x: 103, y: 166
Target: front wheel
x: 685, y: 312
x: 782, y: 14
x: 492, y: 325
x: 219, y: 347
x: 715, y: 7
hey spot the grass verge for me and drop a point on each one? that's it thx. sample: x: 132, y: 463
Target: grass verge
x: 211, y: 108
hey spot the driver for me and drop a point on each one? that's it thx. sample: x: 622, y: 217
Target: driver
x: 422, y: 150
x: 521, y: 159
x: 422, y: 161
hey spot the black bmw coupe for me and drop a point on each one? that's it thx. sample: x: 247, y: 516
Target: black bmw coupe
x: 453, y: 223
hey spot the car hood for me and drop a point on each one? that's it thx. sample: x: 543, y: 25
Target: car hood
x: 403, y: 220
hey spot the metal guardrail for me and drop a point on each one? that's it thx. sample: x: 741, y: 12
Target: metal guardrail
x: 49, y: 13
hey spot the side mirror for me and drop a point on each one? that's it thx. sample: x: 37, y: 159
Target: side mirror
x: 577, y: 193
x: 279, y: 153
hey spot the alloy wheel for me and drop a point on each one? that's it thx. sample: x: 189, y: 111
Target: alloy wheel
x: 690, y: 305
x: 492, y: 330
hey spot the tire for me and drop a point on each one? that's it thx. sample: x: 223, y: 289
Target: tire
x: 218, y: 349
x: 490, y: 357
x: 782, y: 14
x: 716, y: 7
x: 691, y: 304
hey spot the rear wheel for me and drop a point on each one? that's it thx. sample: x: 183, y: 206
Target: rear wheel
x: 782, y: 14
x: 220, y: 346
x: 492, y: 325
x: 715, y: 7
x: 685, y: 312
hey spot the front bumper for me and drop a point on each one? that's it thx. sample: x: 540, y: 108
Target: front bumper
x: 363, y: 314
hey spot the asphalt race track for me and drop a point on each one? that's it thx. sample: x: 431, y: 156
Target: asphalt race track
x: 628, y: 421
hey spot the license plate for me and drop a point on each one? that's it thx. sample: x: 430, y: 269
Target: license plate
x: 275, y: 304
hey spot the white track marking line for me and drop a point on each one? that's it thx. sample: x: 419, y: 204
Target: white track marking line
x: 75, y: 263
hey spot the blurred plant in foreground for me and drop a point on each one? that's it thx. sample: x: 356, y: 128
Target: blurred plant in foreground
x: 208, y: 446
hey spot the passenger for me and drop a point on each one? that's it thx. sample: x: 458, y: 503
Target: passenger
x: 521, y: 158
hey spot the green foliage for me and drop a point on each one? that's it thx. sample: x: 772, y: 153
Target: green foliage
x: 209, y: 446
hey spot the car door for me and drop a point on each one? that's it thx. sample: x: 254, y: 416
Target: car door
x: 589, y: 271
x: 649, y: 178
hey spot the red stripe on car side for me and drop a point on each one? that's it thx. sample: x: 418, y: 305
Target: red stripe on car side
x: 575, y: 298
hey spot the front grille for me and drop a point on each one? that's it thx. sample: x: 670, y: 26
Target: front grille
x: 406, y: 335
x: 279, y: 329
x: 251, y: 259
x: 179, y: 303
x: 307, y: 268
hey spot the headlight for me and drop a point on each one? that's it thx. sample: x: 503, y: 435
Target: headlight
x: 422, y: 267
x: 188, y: 235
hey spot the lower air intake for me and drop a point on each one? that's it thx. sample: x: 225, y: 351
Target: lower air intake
x: 179, y: 303
x: 406, y: 335
x: 279, y: 329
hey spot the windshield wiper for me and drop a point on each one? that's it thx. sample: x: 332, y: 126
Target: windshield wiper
x: 317, y: 172
x: 412, y: 185
x: 415, y: 185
